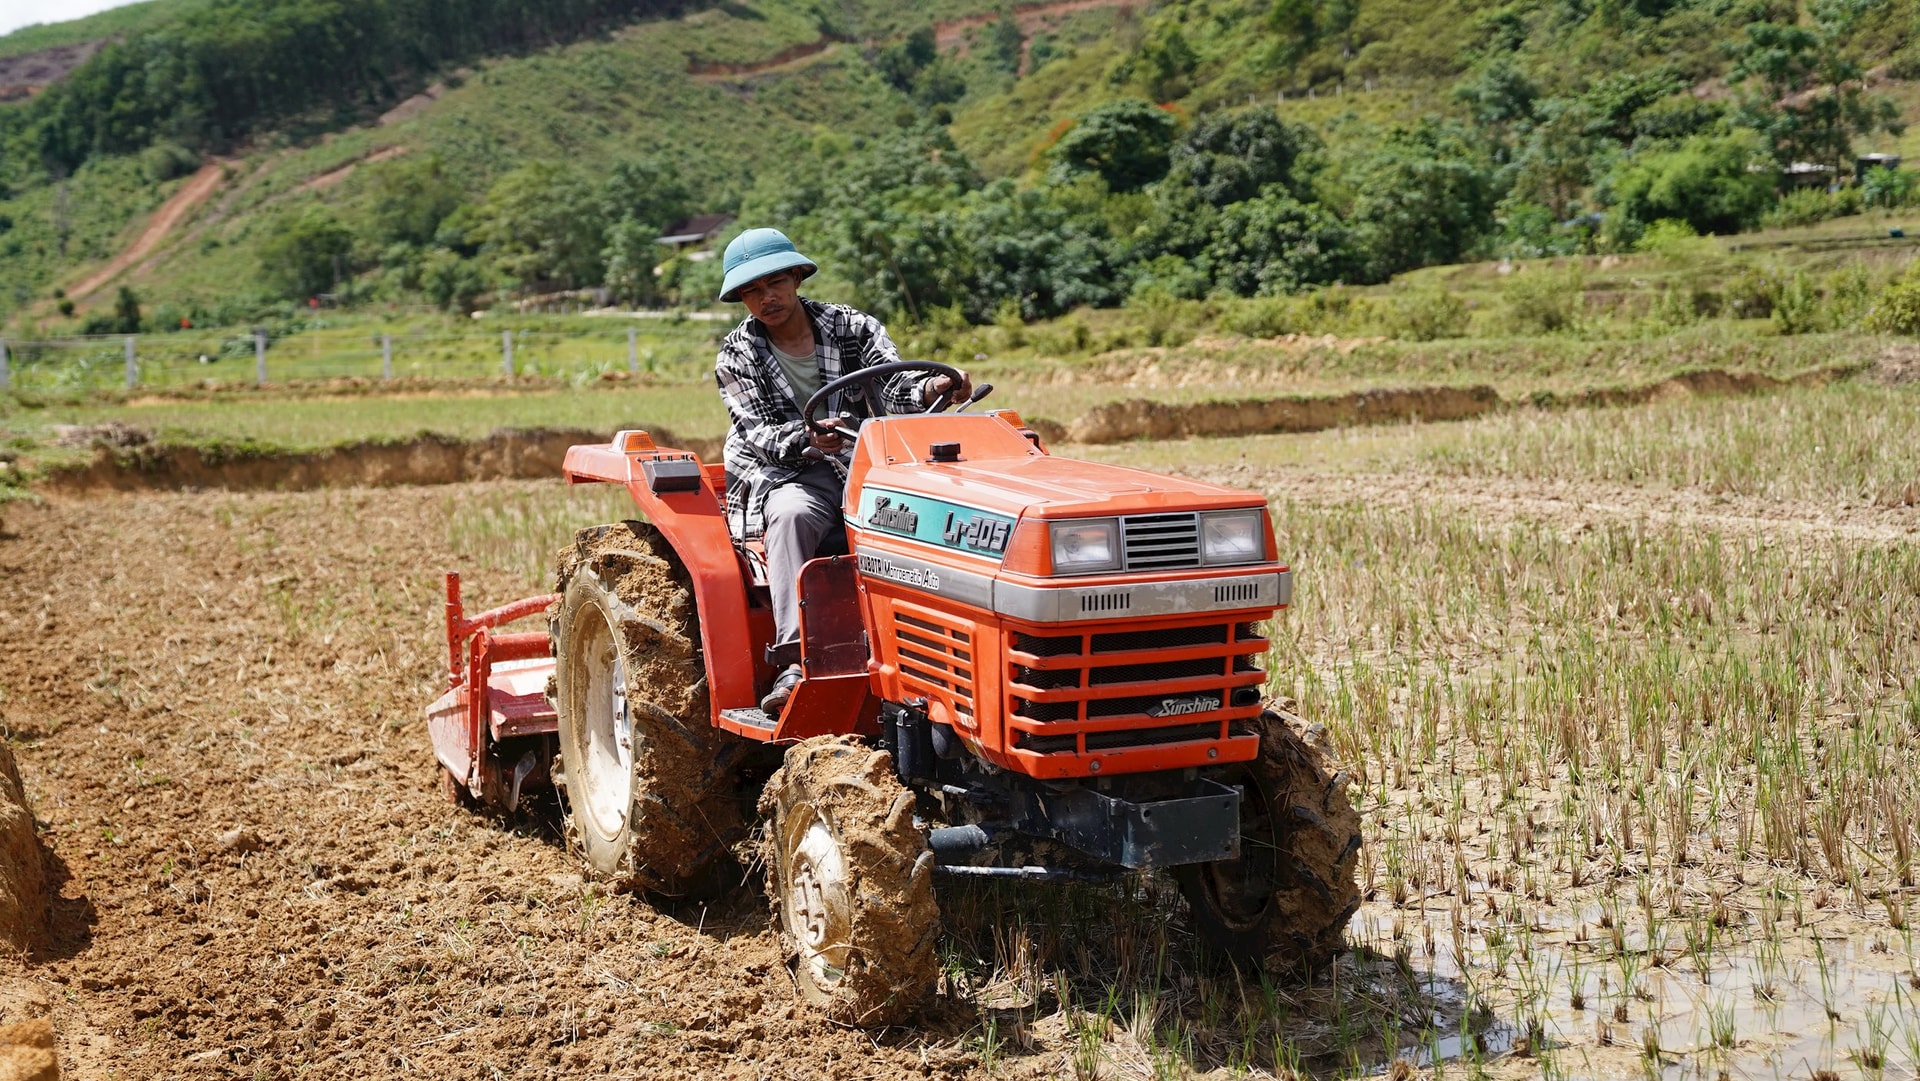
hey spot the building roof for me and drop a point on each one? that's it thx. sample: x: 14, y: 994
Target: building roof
x: 698, y: 227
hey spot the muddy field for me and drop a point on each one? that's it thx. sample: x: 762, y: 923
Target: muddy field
x: 214, y: 699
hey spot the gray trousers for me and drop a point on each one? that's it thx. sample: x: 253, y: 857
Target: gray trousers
x: 800, y: 513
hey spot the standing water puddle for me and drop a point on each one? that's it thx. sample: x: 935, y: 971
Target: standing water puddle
x: 1835, y: 998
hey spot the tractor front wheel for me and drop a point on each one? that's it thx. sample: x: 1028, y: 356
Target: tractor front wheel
x: 650, y: 786
x: 851, y: 882
x: 1286, y: 900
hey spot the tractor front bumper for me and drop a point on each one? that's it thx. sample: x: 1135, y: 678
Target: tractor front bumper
x: 1199, y: 825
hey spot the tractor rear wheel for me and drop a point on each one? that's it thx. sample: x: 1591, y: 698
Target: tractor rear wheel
x: 650, y: 789
x: 851, y: 882
x: 1286, y: 900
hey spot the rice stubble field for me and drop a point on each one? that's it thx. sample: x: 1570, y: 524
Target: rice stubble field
x: 1626, y: 698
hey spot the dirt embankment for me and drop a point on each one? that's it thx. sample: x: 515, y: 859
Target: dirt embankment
x: 1143, y: 418
x: 126, y: 459
x: 131, y: 463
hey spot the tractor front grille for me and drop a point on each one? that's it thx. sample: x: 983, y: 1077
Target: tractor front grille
x: 1073, y: 693
x: 1158, y: 542
x: 936, y: 657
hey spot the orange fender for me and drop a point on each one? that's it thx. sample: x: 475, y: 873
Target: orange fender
x: 682, y: 502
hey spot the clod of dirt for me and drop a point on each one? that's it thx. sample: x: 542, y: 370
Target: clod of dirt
x: 239, y: 840
x: 113, y: 434
x: 26, y: 1052
x: 23, y: 875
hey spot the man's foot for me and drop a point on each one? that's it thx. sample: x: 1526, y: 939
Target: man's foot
x: 776, y: 699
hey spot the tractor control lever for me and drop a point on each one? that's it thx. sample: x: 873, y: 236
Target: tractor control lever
x: 980, y: 391
x: 815, y: 454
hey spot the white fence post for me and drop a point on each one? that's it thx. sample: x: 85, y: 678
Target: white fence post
x: 133, y: 367
x: 386, y: 356
x: 633, y: 352
x: 260, y: 358
x: 6, y: 375
x: 506, y: 352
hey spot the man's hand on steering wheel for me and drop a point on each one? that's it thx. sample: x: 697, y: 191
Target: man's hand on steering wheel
x: 868, y: 380
x: 831, y: 441
x: 945, y: 387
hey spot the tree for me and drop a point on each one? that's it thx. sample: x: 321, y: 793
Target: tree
x: 1497, y: 94
x: 1709, y: 183
x: 1553, y: 164
x: 646, y: 190
x: 126, y: 312
x: 1231, y: 156
x: 541, y: 228
x: 1005, y: 43
x: 1125, y: 141
x: 1424, y: 194
x: 630, y: 255
x: 1803, y: 93
x: 901, y: 62
x: 408, y: 199
x: 1276, y: 244
x: 302, y: 256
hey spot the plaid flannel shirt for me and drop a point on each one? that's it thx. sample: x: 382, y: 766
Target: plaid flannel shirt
x: 768, y: 435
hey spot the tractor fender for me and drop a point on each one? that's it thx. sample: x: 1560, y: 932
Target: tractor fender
x: 678, y: 497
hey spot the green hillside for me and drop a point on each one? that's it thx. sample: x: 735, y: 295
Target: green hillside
x: 114, y: 22
x: 955, y: 160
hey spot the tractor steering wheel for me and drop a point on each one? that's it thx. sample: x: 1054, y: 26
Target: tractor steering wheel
x: 865, y: 378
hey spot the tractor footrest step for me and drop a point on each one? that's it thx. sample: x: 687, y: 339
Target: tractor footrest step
x: 753, y: 718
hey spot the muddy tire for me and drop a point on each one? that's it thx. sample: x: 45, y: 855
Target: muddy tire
x: 649, y: 786
x: 1285, y: 902
x: 851, y: 882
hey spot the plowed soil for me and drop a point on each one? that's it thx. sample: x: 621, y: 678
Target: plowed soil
x: 214, y: 701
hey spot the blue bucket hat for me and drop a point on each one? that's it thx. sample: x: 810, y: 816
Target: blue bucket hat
x: 757, y: 253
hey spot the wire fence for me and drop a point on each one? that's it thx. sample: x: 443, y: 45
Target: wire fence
x: 189, y: 358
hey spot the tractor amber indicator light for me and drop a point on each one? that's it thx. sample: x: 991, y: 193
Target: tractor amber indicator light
x: 1027, y: 550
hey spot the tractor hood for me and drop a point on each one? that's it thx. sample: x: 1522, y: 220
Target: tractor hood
x: 1047, y: 487
x: 997, y: 467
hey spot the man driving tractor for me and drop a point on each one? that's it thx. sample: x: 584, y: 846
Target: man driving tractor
x: 785, y: 483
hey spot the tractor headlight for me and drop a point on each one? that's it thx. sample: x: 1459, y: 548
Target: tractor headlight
x: 1231, y: 537
x: 1089, y: 545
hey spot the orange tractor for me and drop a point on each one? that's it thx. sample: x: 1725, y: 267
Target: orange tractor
x: 1015, y: 666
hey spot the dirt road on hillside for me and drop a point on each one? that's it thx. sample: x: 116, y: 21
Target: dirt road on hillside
x: 196, y: 191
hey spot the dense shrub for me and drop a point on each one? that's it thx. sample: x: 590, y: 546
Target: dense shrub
x: 1427, y: 315
x: 305, y: 253
x: 1543, y: 301
x: 1709, y: 182
x: 1897, y: 309
x: 1811, y: 206
x: 1883, y: 187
